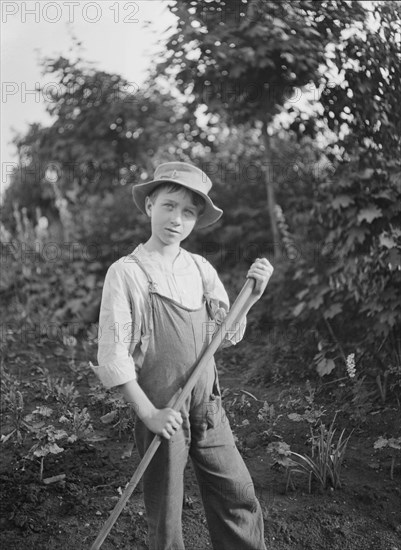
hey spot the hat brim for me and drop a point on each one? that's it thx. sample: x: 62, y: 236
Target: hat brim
x: 210, y: 215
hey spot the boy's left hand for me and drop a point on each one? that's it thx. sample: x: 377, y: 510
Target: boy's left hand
x: 261, y: 270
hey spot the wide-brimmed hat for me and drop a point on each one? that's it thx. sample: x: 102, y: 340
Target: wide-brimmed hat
x: 186, y: 175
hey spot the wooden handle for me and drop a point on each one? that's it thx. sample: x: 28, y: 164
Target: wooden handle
x: 244, y: 301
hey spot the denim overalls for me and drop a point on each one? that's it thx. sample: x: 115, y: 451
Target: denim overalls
x: 234, y: 516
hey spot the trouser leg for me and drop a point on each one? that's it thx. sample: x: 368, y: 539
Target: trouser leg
x: 163, y: 488
x: 232, y: 510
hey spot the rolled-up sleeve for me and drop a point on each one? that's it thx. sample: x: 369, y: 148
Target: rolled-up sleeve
x: 117, y: 335
x: 219, y: 292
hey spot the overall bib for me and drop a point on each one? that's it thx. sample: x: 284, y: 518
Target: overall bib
x: 233, y: 513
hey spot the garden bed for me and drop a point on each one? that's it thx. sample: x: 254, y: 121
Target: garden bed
x: 364, y: 513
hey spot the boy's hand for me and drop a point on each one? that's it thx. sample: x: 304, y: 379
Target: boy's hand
x: 165, y: 422
x: 261, y: 270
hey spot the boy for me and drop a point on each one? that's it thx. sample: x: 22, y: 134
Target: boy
x: 156, y: 304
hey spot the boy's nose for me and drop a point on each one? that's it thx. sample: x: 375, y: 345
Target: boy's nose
x: 176, y: 218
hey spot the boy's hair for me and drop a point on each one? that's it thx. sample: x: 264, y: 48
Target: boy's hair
x: 172, y: 187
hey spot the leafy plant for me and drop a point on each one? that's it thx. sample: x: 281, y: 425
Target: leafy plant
x: 48, y: 437
x: 15, y: 410
x: 81, y: 370
x: 65, y: 394
x: 280, y: 453
x: 238, y: 404
x: 47, y: 443
x: 79, y: 424
x: 267, y: 414
x: 71, y: 344
x: 393, y: 445
x: 325, y: 461
x: 358, y: 399
x: 119, y: 413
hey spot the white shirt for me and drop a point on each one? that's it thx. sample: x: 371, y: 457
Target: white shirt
x: 123, y: 334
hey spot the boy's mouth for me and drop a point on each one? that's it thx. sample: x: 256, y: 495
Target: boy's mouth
x: 172, y: 231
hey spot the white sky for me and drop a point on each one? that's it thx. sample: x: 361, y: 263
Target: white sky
x: 110, y: 38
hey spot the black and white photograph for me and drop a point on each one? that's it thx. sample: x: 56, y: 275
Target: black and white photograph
x: 200, y: 291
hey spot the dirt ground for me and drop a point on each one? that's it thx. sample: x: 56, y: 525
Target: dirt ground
x: 364, y: 514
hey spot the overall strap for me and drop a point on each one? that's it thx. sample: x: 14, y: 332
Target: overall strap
x: 212, y: 304
x: 206, y: 287
x: 151, y: 283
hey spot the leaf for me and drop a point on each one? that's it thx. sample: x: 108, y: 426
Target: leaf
x: 342, y: 201
x: 316, y: 302
x: 325, y: 366
x: 43, y: 411
x: 395, y: 257
x: 95, y: 438
x: 302, y: 293
x: 332, y: 311
x: 36, y: 426
x: 366, y: 174
x: 369, y: 214
x: 295, y: 417
x: 59, y: 434
x: 5, y: 438
x: 394, y: 443
x: 49, y: 448
x: 298, y: 309
x: 109, y: 417
x: 387, y: 241
x: 380, y: 443
x: 355, y: 234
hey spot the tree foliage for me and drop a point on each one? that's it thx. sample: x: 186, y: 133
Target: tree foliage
x: 244, y: 60
x: 106, y: 132
x: 357, y: 293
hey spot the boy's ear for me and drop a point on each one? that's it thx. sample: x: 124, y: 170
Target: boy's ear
x: 148, y: 206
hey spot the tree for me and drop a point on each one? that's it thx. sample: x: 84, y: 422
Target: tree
x: 106, y: 131
x: 355, y: 288
x: 245, y: 59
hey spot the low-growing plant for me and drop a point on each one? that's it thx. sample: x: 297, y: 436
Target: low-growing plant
x: 310, y: 416
x: 100, y: 396
x: 121, y: 416
x: 79, y: 424
x: 114, y: 408
x: 388, y: 381
x: 393, y: 445
x: 14, y: 406
x: 239, y: 404
x: 280, y: 453
x: 312, y: 413
x: 46, y: 444
x: 267, y: 415
x: 357, y: 399
x: 65, y: 394
x: 48, y: 437
x: 80, y: 370
x: 326, y: 458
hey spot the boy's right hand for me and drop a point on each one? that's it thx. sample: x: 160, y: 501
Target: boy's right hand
x: 163, y: 422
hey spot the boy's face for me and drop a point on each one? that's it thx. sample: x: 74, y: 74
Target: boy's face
x: 173, y: 216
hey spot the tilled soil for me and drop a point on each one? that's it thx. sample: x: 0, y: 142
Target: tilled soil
x: 364, y: 514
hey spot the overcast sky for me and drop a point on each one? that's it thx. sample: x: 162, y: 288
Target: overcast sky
x: 114, y: 35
